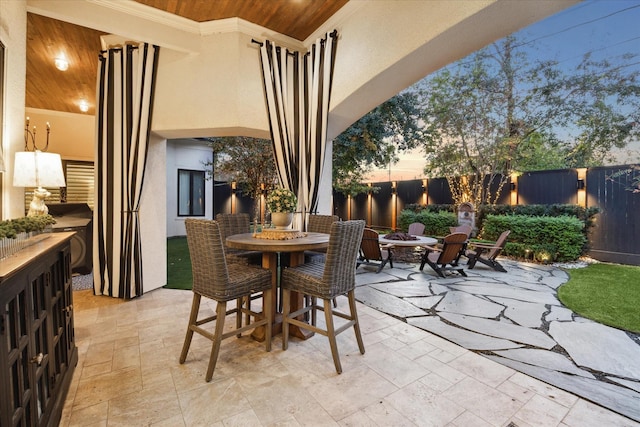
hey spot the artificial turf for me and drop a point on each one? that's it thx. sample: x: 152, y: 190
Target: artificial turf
x: 606, y: 293
x: 178, y: 264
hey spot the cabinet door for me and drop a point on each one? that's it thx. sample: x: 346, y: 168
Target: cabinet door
x: 15, y: 405
x: 40, y: 357
x: 63, y: 342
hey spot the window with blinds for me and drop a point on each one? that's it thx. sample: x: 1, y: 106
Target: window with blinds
x: 80, y: 182
x: 80, y: 185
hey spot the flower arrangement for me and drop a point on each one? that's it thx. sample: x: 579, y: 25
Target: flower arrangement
x: 282, y: 200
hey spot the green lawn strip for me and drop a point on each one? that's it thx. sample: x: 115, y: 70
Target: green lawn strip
x: 606, y: 293
x: 178, y: 264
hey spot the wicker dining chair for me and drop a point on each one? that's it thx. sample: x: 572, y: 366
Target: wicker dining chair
x: 215, y: 279
x: 237, y: 223
x: 326, y: 280
x: 319, y: 224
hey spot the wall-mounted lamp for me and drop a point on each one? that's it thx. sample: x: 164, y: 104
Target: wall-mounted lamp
x: 234, y: 187
x: 580, y: 184
x: 512, y: 186
x: 394, y: 187
x: 37, y: 169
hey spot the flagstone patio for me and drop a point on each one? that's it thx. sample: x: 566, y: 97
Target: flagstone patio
x: 515, y: 319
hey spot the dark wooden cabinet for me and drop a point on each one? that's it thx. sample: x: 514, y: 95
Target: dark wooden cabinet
x: 37, y: 351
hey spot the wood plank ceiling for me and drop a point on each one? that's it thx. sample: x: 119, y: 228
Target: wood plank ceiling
x: 47, y: 39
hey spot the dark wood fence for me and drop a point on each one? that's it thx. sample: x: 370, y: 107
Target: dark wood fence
x: 614, y: 238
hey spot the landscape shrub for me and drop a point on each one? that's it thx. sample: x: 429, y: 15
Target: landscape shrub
x: 435, y: 223
x: 584, y: 214
x: 541, y: 238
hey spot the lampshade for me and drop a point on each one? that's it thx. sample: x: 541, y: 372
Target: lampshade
x: 38, y: 169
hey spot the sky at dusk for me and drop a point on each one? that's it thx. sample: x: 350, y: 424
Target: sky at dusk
x: 605, y: 28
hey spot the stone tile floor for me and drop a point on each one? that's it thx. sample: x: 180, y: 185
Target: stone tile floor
x: 128, y: 371
x: 515, y: 319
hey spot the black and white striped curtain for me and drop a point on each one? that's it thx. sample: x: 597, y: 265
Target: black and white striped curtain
x: 125, y: 88
x: 297, y: 90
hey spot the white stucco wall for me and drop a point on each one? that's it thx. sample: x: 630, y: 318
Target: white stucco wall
x: 153, y: 216
x: 13, y: 34
x: 72, y: 135
x: 184, y: 154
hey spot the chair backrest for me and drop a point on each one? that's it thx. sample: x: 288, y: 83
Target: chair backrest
x: 208, y: 265
x: 370, y: 245
x: 416, y: 229
x: 499, y: 245
x: 451, y: 247
x: 321, y: 223
x: 342, y: 253
x: 231, y: 224
x: 465, y: 228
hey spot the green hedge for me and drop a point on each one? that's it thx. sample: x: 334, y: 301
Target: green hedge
x: 435, y: 223
x: 556, y: 210
x: 541, y: 238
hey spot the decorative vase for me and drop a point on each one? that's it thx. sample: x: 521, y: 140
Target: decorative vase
x: 281, y: 220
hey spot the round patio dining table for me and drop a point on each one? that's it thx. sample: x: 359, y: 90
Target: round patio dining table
x: 270, y: 249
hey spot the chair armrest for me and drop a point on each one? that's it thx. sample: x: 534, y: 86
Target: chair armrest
x: 431, y: 248
x: 483, y: 245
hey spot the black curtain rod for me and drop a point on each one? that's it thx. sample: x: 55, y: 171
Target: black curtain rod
x: 102, y: 52
x: 333, y: 34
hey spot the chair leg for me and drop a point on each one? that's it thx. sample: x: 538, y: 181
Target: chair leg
x: 286, y: 310
x: 247, y: 317
x: 493, y: 264
x: 221, y: 310
x: 267, y: 311
x: 314, y: 312
x: 354, y: 316
x: 193, y: 317
x: 239, y: 305
x: 331, y: 334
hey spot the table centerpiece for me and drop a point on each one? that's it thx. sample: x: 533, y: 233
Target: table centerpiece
x: 282, y: 203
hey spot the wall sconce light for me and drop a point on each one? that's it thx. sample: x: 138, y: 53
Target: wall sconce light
x: 83, y: 105
x: 61, y: 63
x: 394, y: 187
x: 234, y: 187
x: 580, y: 184
x: 37, y: 169
x: 512, y: 185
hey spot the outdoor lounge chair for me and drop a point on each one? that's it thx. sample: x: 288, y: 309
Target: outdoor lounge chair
x: 444, y: 258
x: 486, y: 253
x: 466, y: 229
x: 416, y: 229
x: 371, y: 252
